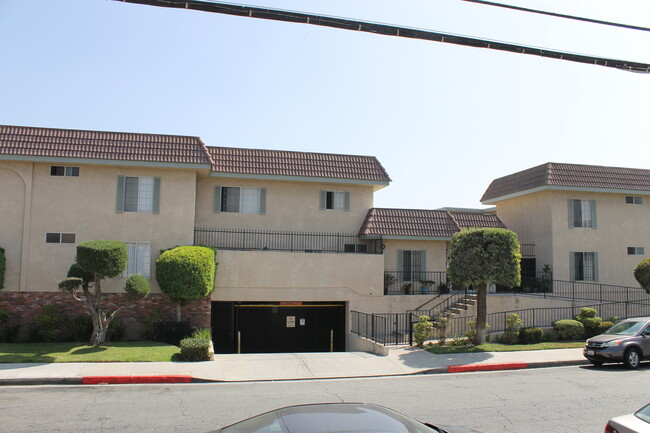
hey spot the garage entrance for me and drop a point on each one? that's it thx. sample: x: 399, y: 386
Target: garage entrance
x: 278, y: 327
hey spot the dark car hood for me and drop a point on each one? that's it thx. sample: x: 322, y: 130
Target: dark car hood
x: 605, y: 338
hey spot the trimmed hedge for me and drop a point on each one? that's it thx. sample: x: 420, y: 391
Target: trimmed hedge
x: 642, y: 274
x: 531, y: 335
x: 568, y: 329
x: 186, y: 273
x: 195, y: 349
x: 137, y: 287
x: 3, y: 266
x: 590, y: 321
x: 104, y: 258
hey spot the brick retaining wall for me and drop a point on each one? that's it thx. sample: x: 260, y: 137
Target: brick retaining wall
x: 23, y: 306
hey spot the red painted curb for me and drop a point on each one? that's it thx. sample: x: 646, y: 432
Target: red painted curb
x: 486, y: 367
x: 97, y: 380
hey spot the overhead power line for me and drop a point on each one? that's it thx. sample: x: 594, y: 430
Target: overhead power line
x: 558, y: 15
x: 389, y: 30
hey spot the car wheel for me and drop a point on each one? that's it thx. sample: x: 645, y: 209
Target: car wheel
x: 632, y: 358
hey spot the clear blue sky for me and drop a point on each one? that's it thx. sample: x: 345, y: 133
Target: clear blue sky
x: 444, y: 120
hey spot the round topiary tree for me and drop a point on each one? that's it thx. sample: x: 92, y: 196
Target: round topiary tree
x: 186, y: 273
x: 642, y: 274
x: 97, y: 260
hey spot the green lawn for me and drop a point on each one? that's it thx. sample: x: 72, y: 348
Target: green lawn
x: 132, y: 351
x: 494, y: 347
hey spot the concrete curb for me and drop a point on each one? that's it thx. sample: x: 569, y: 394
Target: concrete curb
x: 185, y: 379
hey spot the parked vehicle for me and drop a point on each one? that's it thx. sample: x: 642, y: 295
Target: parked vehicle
x: 628, y: 342
x: 637, y: 422
x: 335, y: 417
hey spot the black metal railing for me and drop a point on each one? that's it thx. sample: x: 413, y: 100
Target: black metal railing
x: 527, y: 250
x: 397, y: 328
x: 412, y: 283
x: 277, y: 240
x: 454, y: 298
x: 581, y: 290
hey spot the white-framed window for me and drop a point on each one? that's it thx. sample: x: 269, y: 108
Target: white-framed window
x: 138, y: 194
x: 584, y: 266
x: 60, y: 238
x: 633, y: 200
x: 636, y: 251
x: 582, y: 213
x: 139, y: 259
x: 335, y: 200
x: 411, y: 265
x: 62, y: 170
x: 239, y: 199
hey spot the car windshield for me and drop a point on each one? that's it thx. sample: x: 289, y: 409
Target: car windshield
x: 628, y: 327
x: 644, y: 414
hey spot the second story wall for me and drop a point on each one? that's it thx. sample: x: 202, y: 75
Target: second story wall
x: 285, y: 205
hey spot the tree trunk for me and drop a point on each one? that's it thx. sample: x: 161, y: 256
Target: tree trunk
x: 481, y: 315
x: 178, y: 312
x: 100, y: 328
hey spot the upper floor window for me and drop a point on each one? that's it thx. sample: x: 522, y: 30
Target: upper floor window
x: 139, y: 260
x: 633, y: 200
x: 337, y: 200
x: 637, y: 251
x: 61, y: 170
x: 239, y: 199
x: 411, y: 265
x: 584, y: 266
x: 138, y: 194
x: 60, y: 238
x: 582, y: 213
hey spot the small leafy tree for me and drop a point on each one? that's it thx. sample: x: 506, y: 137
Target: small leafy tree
x: 513, y: 325
x: 442, y: 325
x: 96, y: 261
x: 422, y: 330
x: 642, y: 274
x: 483, y: 256
x: 186, y: 273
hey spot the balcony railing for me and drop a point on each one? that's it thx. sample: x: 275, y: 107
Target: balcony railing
x: 415, y: 283
x: 275, y: 240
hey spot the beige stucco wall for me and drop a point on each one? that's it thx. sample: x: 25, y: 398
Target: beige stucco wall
x: 436, y: 253
x: 286, y: 276
x: 290, y: 205
x: 542, y: 218
x: 85, y: 206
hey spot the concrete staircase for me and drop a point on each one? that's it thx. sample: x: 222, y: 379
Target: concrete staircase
x: 461, y: 305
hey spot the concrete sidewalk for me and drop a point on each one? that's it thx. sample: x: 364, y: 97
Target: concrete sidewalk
x: 401, y: 360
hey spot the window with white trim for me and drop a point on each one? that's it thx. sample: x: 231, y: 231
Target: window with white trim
x: 636, y: 251
x: 584, y: 266
x: 335, y: 200
x: 633, y: 200
x: 411, y: 265
x: 62, y: 170
x: 582, y: 213
x: 139, y: 259
x: 239, y: 199
x: 138, y: 194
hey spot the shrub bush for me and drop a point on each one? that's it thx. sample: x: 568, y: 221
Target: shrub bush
x: 105, y: 258
x: 137, y: 287
x: 589, y: 320
x: 442, y: 325
x: 604, y: 326
x: 153, y: 322
x: 173, y: 332
x: 82, y: 328
x: 3, y: 266
x: 642, y: 274
x: 49, y: 324
x: 186, y: 273
x: 513, y: 325
x: 422, y: 330
x: 568, y: 329
x: 8, y: 330
x: 470, y: 334
x: 531, y: 335
x: 195, y: 349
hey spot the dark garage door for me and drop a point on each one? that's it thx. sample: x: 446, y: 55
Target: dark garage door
x: 278, y: 327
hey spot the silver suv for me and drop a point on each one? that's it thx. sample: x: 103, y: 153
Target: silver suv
x: 628, y: 342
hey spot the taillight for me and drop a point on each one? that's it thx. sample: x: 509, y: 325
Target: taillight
x: 610, y: 429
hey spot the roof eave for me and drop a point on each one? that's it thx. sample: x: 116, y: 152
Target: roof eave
x: 95, y: 161
x: 376, y: 183
x: 563, y: 188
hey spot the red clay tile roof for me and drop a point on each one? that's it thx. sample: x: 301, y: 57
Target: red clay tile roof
x: 423, y: 223
x: 286, y: 163
x: 117, y: 146
x: 576, y: 176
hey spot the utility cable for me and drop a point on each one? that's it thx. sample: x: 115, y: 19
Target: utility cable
x: 389, y: 30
